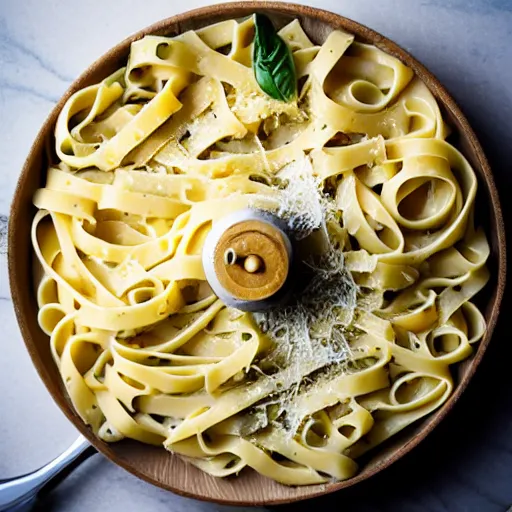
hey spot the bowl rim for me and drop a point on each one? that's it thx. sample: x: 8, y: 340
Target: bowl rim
x: 231, y: 10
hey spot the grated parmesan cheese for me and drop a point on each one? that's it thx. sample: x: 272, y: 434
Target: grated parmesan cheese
x: 310, y: 333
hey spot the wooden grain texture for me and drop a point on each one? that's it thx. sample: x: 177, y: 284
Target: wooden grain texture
x: 156, y: 465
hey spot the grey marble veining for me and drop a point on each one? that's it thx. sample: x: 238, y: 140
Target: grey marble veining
x: 466, y: 463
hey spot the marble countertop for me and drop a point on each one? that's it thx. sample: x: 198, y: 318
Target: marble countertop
x: 466, y: 464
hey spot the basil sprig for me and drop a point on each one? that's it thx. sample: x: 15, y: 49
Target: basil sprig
x: 273, y: 64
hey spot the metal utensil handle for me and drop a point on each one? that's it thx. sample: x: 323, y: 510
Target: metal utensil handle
x: 17, y: 491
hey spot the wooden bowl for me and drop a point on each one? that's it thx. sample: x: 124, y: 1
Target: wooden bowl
x: 156, y: 465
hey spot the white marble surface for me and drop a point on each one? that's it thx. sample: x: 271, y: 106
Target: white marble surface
x: 466, y: 464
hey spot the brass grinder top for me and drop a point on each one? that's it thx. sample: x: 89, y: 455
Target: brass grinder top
x: 246, y: 258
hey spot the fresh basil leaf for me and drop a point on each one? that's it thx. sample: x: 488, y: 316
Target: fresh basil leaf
x: 273, y: 64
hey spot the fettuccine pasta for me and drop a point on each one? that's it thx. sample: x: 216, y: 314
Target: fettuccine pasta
x: 157, y: 153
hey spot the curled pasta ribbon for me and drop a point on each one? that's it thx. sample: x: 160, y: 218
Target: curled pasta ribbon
x: 357, y: 103
x: 390, y: 123
x: 381, y: 72
x: 419, y: 386
x: 366, y: 219
x: 423, y: 197
x: 404, y: 195
x: 108, y: 154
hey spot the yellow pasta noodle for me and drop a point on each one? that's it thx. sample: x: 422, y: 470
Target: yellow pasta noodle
x: 356, y: 164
